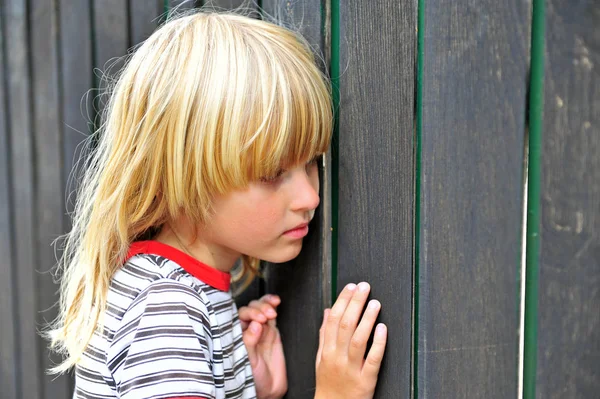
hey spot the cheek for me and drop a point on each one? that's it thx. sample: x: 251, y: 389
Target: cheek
x: 253, y: 218
x: 261, y: 218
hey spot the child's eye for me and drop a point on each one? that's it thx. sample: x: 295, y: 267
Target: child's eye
x: 272, y: 179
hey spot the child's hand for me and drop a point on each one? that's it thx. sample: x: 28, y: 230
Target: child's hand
x: 342, y: 370
x: 263, y: 343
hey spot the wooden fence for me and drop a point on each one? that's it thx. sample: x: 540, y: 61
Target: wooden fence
x: 425, y: 193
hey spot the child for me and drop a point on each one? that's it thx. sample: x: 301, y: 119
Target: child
x: 208, y: 154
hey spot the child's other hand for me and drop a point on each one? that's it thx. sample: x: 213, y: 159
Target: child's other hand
x: 264, y: 347
x: 342, y: 371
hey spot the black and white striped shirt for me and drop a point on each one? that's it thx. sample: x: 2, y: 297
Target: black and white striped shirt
x: 171, y: 330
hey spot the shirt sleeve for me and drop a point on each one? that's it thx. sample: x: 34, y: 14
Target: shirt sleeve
x: 162, y: 348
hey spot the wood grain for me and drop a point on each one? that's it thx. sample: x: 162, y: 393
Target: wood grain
x: 569, y: 280
x: 474, y: 88
x: 76, y: 80
x: 376, y: 125
x: 8, y: 332
x: 27, y: 364
x: 111, y: 41
x: 49, y: 188
x: 144, y: 18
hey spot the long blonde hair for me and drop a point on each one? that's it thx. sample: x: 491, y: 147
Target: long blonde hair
x: 208, y: 103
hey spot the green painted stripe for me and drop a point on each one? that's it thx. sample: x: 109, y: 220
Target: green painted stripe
x: 417, y: 221
x: 335, y: 80
x: 536, y: 91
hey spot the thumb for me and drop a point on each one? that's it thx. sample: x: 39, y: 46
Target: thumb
x: 251, y: 337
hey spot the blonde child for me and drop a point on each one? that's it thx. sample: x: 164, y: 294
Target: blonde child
x: 208, y: 154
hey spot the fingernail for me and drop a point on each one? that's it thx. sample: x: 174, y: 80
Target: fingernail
x: 374, y: 304
x: 363, y: 286
x: 351, y: 287
x: 254, y: 328
x: 271, y: 312
x: 380, y: 330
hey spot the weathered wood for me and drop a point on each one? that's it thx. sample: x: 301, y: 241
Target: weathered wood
x: 377, y: 63
x: 76, y: 80
x: 28, y: 349
x: 111, y: 41
x: 229, y: 4
x: 48, y: 171
x: 569, y: 298
x: 473, y: 102
x: 144, y: 18
x: 8, y: 333
x: 181, y: 5
x: 304, y: 284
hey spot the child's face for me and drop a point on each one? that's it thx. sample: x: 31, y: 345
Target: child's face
x: 254, y: 221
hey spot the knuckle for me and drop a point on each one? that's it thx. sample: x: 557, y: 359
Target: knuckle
x: 333, y: 317
x: 356, y: 343
x: 374, y: 359
x: 345, y: 325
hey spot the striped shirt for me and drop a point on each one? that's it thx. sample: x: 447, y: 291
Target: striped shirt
x: 171, y: 330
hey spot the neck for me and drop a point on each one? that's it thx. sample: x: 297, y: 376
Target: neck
x: 208, y: 253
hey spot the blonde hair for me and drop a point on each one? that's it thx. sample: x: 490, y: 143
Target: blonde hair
x: 207, y: 104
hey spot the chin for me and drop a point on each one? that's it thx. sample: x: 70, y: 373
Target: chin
x: 283, y: 256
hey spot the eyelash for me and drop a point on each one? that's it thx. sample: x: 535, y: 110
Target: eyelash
x: 280, y: 172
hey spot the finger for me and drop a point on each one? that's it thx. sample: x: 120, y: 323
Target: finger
x: 321, y: 337
x: 352, y: 315
x: 373, y: 361
x: 247, y: 314
x: 335, y: 315
x: 264, y: 307
x: 273, y: 299
x: 358, y: 343
x: 251, y: 337
x: 269, y: 333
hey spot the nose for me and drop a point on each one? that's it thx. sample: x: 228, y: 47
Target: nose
x: 305, y: 195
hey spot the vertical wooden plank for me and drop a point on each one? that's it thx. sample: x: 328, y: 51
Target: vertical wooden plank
x: 569, y: 280
x: 29, y: 374
x: 228, y: 4
x: 111, y: 41
x: 8, y: 339
x: 181, y: 5
x: 375, y: 228
x: 48, y: 172
x: 76, y: 81
x: 304, y: 283
x: 471, y: 197
x: 145, y: 17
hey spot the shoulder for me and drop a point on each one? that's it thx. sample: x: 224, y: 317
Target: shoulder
x: 145, y: 274
x: 166, y: 327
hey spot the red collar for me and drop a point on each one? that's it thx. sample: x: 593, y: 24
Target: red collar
x: 211, y: 276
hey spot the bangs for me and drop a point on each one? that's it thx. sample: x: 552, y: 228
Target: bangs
x: 296, y: 127
x: 287, y: 113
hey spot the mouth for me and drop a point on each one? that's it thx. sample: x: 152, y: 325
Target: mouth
x: 297, y: 232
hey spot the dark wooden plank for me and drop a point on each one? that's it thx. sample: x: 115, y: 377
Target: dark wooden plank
x: 181, y: 5
x: 48, y: 222
x: 8, y: 338
x: 304, y: 284
x: 76, y: 81
x: 111, y: 41
x: 29, y: 373
x: 377, y: 47
x: 473, y: 102
x: 144, y: 18
x: 569, y: 298
x: 229, y: 4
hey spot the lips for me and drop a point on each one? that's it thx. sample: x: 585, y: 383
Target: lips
x: 300, y: 226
